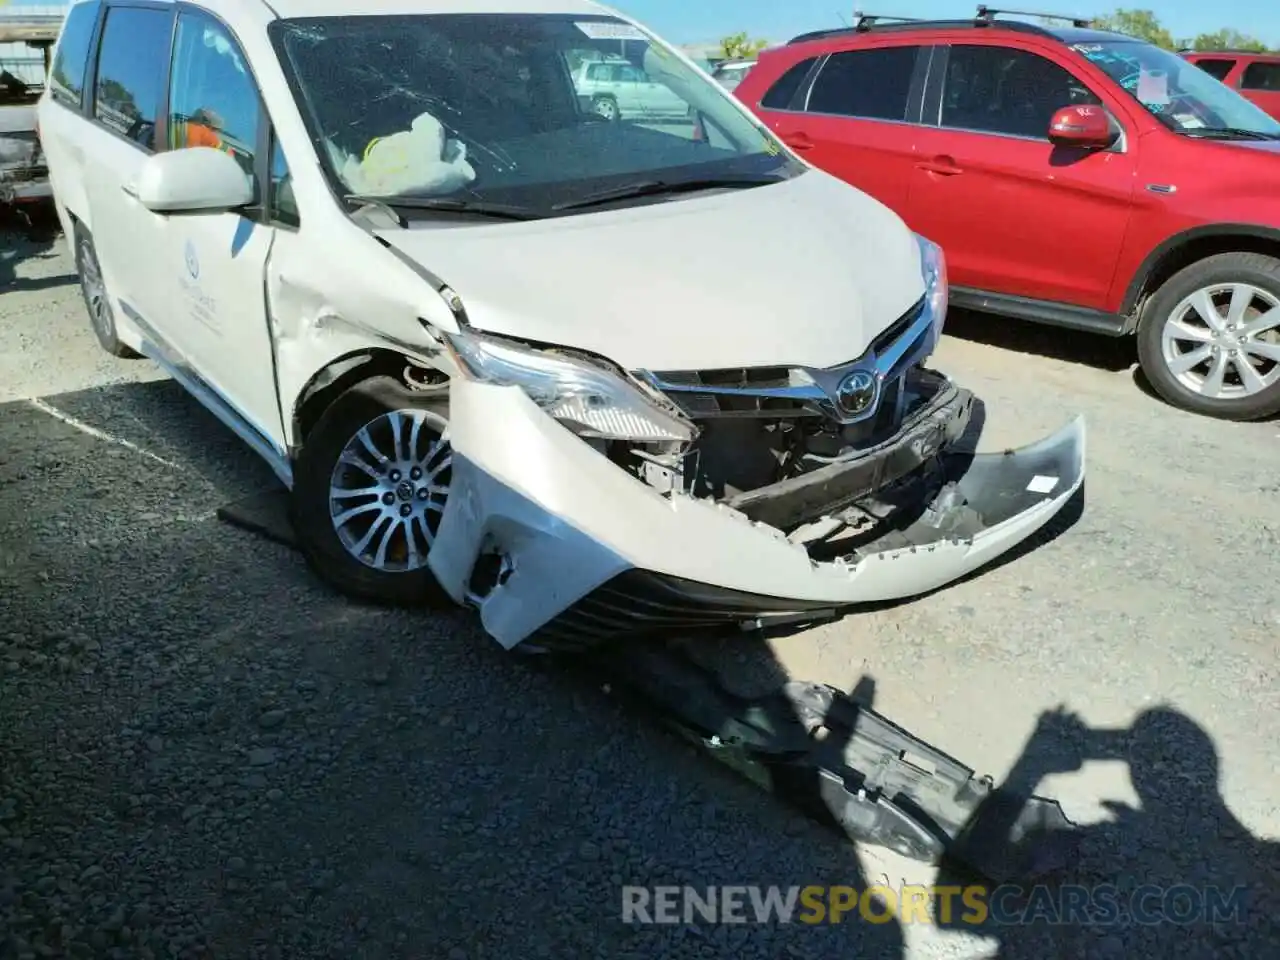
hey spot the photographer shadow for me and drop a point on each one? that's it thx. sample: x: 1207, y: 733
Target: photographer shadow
x: 1179, y: 875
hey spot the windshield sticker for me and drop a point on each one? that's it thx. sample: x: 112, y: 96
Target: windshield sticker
x: 1153, y: 88
x: 1188, y: 121
x: 598, y: 30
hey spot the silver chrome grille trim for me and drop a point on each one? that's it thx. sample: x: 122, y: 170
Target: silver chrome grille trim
x: 803, y: 391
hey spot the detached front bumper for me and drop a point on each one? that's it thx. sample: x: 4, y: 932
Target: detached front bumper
x: 578, y: 549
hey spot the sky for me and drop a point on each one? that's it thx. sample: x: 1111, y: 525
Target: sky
x: 706, y: 21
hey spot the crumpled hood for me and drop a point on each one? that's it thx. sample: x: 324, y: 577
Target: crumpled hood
x: 805, y: 272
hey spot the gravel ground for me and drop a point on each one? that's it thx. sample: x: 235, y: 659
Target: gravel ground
x: 204, y: 753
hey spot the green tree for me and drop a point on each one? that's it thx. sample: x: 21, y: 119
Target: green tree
x: 740, y: 46
x: 1142, y: 24
x: 1227, y: 39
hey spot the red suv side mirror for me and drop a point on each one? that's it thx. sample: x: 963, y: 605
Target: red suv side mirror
x: 1085, y: 125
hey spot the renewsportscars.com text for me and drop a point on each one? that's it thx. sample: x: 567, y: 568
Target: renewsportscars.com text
x: 972, y: 905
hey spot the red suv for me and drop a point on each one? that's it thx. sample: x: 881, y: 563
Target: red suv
x: 1256, y: 75
x: 1074, y: 177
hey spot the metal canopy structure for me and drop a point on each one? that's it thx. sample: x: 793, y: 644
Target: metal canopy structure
x: 37, y: 32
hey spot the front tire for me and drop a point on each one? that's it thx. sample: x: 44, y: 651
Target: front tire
x: 369, y: 492
x: 1209, y: 339
x: 96, y: 300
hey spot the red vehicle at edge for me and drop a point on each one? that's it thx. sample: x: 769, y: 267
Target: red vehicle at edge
x: 1074, y: 177
x: 1255, y: 75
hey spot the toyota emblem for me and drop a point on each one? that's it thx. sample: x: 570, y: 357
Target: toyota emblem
x: 856, y: 393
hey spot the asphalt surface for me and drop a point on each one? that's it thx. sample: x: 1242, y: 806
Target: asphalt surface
x: 205, y: 753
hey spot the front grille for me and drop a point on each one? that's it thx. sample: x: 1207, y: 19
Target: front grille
x: 774, y: 391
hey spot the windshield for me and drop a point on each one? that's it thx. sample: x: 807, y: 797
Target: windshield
x: 534, y: 111
x: 1178, y: 93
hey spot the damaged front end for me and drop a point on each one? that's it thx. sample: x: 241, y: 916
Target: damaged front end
x: 589, y: 504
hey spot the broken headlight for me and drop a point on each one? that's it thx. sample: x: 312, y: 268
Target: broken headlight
x: 933, y: 267
x: 584, y: 395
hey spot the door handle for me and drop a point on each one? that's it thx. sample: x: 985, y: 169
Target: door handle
x: 798, y: 141
x: 943, y: 166
x: 130, y: 190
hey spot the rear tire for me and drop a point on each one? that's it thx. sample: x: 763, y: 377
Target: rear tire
x: 369, y: 492
x: 96, y: 299
x: 1227, y: 364
x: 606, y: 108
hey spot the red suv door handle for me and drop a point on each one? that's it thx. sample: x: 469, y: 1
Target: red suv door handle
x: 942, y: 165
x: 798, y: 141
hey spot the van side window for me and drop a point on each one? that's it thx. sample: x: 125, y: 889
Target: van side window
x: 786, y: 87
x: 71, y: 60
x: 1261, y: 76
x: 1007, y: 91
x: 213, y: 100
x: 868, y: 84
x: 131, y: 71
x: 1218, y: 69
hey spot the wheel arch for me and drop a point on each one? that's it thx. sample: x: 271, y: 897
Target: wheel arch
x: 344, y: 372
x: 1188, y: 247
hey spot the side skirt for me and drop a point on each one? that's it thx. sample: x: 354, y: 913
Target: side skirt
x: 154, y: 347
x: 1041, y: 311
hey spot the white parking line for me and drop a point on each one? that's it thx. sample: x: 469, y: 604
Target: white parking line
x: 95, y: 432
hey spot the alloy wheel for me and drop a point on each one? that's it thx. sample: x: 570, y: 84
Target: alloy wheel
x: 388, y: 490
x: 1223, y: 342
x: 95, y: 293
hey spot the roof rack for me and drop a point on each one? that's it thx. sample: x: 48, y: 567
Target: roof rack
x: 1231, y: 52
x: 985, y: 19
x: 865, y: 21
x: 990, y: 13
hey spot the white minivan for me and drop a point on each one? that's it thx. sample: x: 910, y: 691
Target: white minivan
x: 594, y: 379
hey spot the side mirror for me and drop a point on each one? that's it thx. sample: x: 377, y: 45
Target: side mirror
x: 194, y: 180
x: 1082, y: 126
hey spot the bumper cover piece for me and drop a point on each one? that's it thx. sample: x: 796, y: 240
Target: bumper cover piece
x: 567, y: 523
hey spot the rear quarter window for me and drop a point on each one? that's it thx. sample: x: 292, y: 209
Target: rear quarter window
x: 784, y: 90
x: 71, y: 57
x: 1216, y: 68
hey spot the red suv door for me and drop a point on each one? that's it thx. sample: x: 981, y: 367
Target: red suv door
x: 1260, y: 82
x: 852, y: 119
x: 1017, y: 215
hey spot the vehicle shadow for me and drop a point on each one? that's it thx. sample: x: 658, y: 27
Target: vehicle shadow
x: 418, y: 766
x: 1071, y: 346
x: 27, y: 233
x: 1178, y: 876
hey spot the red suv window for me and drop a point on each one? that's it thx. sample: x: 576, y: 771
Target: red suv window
x: 1261, y: 76
x: 870, y: 84
x: 1007, y: 91
x: 1218, y: 69
x: 784, y: 90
